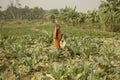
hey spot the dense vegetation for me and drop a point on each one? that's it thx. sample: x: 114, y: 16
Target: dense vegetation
x: 26, y: 53
x: 107, y: 17
x: 91, y: 51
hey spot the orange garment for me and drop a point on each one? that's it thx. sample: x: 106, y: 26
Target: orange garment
x: 57, y: 37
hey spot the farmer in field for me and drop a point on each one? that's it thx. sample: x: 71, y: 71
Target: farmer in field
x: 58, y: 38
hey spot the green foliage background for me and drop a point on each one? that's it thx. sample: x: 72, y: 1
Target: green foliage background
x: 107, y: 17
x: 92, y: 50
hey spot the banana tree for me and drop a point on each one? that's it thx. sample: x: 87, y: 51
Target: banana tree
x: 69, y: 16
x: 92, y: 17
x: 109, y: 12
x: 52, y: 15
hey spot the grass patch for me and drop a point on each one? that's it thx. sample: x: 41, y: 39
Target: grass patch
x: 25, y: 53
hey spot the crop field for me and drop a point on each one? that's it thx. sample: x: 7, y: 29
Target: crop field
x: 26, y: 53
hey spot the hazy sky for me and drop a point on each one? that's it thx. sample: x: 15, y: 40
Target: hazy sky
x: 82, y: 5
